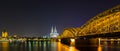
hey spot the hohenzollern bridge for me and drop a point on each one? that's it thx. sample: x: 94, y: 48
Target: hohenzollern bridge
x: 106, y: 23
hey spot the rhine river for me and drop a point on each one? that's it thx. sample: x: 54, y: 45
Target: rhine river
x: 55, y: 46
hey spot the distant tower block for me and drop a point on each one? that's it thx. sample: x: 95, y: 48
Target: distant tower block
x: 53, y: 33
x: 4, y: 34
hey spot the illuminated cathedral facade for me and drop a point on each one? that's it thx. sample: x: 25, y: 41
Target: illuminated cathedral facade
x: 54, y: 33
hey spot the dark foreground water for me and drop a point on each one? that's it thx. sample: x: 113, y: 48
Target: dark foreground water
x: 55, y: 46
x: 35, y: 46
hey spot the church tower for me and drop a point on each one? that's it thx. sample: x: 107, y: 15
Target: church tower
x: 4, y: 34
x: 53, y: 33
x: 55, y: 30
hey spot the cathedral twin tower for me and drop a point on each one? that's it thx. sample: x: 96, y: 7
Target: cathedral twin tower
x: 53, y: 33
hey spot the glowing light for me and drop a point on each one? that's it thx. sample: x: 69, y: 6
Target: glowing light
x: 72, y: 43
x: 99, y: 48
x: 99, y: 41
x: 72, y: 40
x: 112, y: 41
x: 4, y: 34
x: 59, y: 46
x: 59, y: 40
x: 62, y: 47
x: 29, y: 39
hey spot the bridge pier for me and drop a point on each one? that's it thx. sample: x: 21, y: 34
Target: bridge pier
x: 82, y: 44
x: 65, y: 41
x: 86, y: 41
x: 87, y: 44
x: 68, y: 41
x: 72, y: 41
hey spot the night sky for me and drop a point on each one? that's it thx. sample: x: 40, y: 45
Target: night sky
x: 35, y: 18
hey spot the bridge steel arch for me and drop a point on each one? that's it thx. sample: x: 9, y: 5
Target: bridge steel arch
x: 69, y: 32
x: 105, y: 22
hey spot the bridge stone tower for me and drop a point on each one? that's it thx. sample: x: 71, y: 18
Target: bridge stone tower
x: 53, y: 33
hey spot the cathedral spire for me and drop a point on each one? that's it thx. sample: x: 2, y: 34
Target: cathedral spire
x: 52, y: 30
x: 55, y: 30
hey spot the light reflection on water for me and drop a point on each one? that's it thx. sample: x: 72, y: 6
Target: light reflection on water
x: 4, y: 46
x: 99, y: 48
x: 53, y: 46
x: 62, y: 47
x: 35, y: 46
x: 111, y: 46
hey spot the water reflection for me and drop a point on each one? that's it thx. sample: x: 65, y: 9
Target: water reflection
x: 62, y: 47
x: 99, y: 45
x: 38, y: 46
x: 4, y: 46
x: 106, y: 45
x: 35, y: 46
x: 58, y: 46
x: 99, y: 48
x: 109, y: 46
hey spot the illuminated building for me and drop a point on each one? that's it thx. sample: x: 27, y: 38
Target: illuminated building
x: 4, y: 34
x: 53, y: 33
x: 14, y: 35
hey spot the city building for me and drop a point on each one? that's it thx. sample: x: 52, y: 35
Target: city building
x: 4, y: 34
x: 54, y: 33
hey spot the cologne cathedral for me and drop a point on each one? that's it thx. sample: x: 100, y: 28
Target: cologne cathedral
x: 53, y: 33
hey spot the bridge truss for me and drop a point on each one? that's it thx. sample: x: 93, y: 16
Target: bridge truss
x: 105, y: 22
